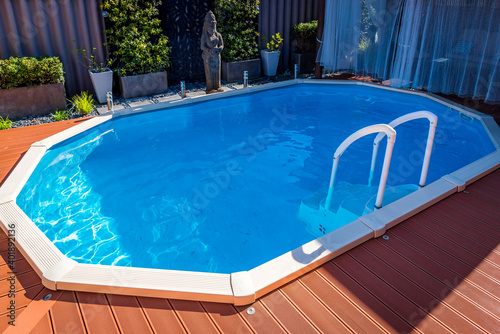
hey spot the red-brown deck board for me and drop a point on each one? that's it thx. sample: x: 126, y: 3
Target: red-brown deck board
x: 437, y: 273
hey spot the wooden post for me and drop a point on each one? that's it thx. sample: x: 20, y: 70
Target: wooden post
x: 321, y: 24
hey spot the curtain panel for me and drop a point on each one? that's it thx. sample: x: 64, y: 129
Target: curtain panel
x: 446, y: 46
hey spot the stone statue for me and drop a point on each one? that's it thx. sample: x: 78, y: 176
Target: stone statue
x: 211, y: 45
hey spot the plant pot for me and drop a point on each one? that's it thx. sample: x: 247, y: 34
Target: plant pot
x: 103, y: 83
x: 32, y: 101
x: 270, y: 61
x: 233, y: 71
x: 306, y: 61
x: 143, y: 85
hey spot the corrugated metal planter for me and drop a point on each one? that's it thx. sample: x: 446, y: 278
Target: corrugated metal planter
x: 103, y: 83
x: 233, y: 71
x: 32, y: 101
x: 270, y: 61
x: 143, y: 85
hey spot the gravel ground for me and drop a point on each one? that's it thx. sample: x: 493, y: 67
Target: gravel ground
x: 190, y: 87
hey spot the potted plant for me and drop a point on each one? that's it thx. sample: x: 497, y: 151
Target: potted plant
x: 138, y: 47
x: 100, y: 73
x: 303, y: 43
x: 271, y: 56
x: 31, y: 86
x: 237, y: 23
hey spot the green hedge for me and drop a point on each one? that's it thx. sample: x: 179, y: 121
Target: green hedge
x: 237, y: 22
x: 303, y: 37
x: 135, y: 37
x: 30, y: 71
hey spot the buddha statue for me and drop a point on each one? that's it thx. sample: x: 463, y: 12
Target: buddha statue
x: 211, y: 45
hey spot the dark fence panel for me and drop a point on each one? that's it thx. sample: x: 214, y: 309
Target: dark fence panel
x: 182, y: 22
x: 48, y: 28
x: 280, y: 16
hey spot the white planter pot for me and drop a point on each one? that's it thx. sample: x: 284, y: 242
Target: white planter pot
x: 103, y: 83
x: 270, y: 61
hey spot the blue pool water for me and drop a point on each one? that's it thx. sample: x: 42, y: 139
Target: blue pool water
x: 216, y: 186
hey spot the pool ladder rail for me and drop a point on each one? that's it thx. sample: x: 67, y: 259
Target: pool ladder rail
x: 323, y: 215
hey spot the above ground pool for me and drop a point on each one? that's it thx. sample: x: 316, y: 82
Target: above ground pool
x: 216, y: 186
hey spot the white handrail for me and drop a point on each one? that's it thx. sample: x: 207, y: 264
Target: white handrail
x: 428, y: 149
x: 391, y: 137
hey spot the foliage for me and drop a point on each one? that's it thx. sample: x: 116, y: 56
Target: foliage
x: 303, y: 37
x: 237, y: 23
x: 89, y: 59
x: 5, y: 123
x: 83, y: 104
x: 135, y: 36
x: 275, y: 44
x: 60, y: 115
x: 30, y: 71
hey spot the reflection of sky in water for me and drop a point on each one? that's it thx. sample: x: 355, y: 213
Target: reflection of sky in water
x: 216, y: 186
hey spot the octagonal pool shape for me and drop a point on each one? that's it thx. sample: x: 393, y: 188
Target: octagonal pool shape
x: 198, y: 199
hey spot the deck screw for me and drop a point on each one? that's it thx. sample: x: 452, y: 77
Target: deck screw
x: 47, y: 297
x: 385, y: 237
x: 250, y: 310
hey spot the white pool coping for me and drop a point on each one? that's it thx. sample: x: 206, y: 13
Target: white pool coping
x: 241, y: 288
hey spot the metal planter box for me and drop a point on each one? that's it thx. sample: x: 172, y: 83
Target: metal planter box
x: 233, y: 71
x: 32, y: 101
x: 143, y: 85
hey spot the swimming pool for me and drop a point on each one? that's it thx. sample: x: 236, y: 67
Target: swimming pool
x: 216, y: 186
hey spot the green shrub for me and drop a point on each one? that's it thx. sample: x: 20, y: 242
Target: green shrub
x: 135, y: 37
x: 303, y: 37
x: 275, y: 43
x: 30, y: 71
x: 60, y: 115
x: 83, y: 104
x: 237, y: 23
x: 5, y: 123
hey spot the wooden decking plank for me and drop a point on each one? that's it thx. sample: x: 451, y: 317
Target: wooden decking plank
x: 443, y: 258
x: 20, y: 267
x: 22, y: 298
x: 382, y: 290
x: 44, y: 326
x: 193, y: 316
x: 96, y: 313
x: 5, y: 319
x: 469, y: 258
x: 363, y: 299
x: 431, y: 302
x: 451, y: 222
x: 226, y: 317
x: 322, y: 317
x: 353, y: 315
x: 261, y: 321
x: 464, y: 203
x: 457, y: 238
x: 128, y: 314
x: 66, y: 316
x: 23, y: 281
x: 286, y: 313
x: 473, y: 217
x: 439, y: 271
x: 161, y: 316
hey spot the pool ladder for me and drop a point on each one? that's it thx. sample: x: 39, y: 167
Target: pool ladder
x: 384, y: 130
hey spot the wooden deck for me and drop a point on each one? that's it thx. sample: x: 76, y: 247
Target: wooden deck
x: 438, y: 272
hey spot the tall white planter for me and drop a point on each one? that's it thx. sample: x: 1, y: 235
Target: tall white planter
x: 270, y: 61
x: 103, y: 83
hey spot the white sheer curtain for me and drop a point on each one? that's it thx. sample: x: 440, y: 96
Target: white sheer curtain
x: 341, y: 33
x: 447, y: 46
x: 450, y: 46
x: 357, y: 36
